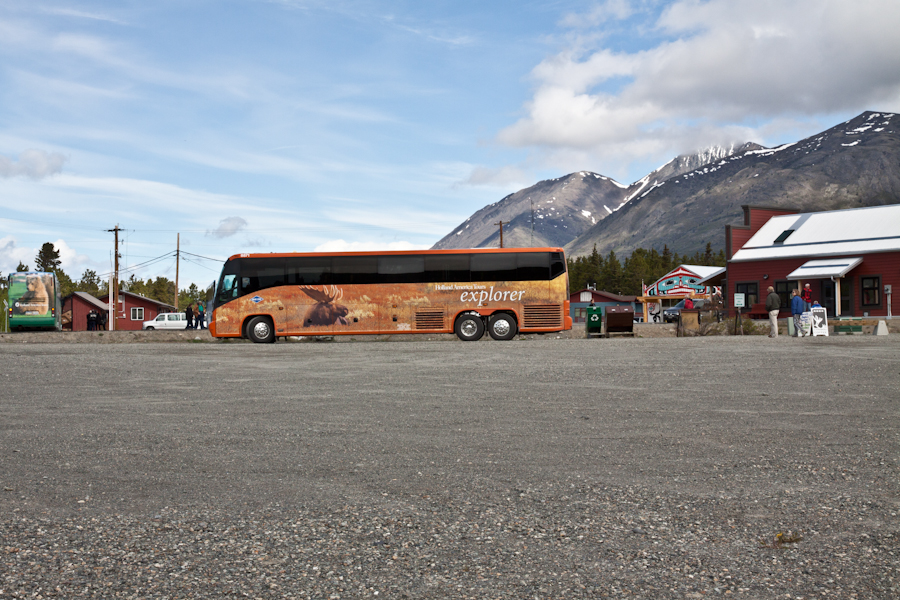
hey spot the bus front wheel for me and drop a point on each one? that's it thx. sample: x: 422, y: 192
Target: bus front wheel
x: 260, y: 330
x: 469, y: 328
x: 502, y: 327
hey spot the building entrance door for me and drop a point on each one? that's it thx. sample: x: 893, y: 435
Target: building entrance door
x: 828, y: 298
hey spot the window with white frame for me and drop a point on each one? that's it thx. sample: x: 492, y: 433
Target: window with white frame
x: 137, y: 313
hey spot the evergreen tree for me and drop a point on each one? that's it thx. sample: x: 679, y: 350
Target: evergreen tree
x: 89, y: 283
x: 612, y: 274
x: 66, y: 285
x: 192, y: 295
x: 22, y: 268
x: 636, y: 271
x: 47, y: 258
x: 668, y: 262
x: 708, y: 254
x: 163, y: 289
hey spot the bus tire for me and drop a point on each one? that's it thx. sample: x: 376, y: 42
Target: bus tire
x: 469, y: 327
x: 502, y: 326
x: 260, y: 330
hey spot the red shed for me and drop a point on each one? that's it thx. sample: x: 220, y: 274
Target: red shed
x: 76, y: 307
x: 134, y: 309
x: 850, y: 258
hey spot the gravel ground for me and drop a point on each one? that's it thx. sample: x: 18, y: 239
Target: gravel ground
x: 545, y: 468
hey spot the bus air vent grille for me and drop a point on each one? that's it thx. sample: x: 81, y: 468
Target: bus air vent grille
x: 542, y: 315
x: 430, y: 319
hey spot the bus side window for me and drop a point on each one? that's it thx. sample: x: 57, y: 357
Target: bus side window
x: 248, y: 285
x: 533, y: 266
x: 557, y: 265
x: 494, y: 267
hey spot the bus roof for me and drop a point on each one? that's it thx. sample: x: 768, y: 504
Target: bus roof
x: 394, y: 252
x: 26, y: 273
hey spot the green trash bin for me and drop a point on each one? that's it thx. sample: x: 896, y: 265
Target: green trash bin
x: 594, y: 320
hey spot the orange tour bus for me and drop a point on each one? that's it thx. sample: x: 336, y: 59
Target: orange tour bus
x: 501, y: 291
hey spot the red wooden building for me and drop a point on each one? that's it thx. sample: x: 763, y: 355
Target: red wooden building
x: 134, y: 309
x: 76, y: 308
x: 850, y: 258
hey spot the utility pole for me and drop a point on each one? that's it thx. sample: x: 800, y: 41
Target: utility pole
x: 501, y: 232
x: 177, y: 257
x: 114, y: 293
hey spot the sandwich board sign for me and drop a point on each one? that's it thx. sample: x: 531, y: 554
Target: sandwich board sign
x: 819, y: 320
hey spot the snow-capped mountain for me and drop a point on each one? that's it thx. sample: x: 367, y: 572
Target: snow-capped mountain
x: 550, y: 213
x: 555, y: 212
x: 854, y: 164
x: 688, y: 201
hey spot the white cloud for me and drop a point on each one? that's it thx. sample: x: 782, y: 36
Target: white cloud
x: 228, y: 227
x: 717, y: 66
x: 35, y: 164
x: 343, y: 246
x: 68, y: 12
x: 502, y: 177
x: 11, y: 254
x: 71, y: 261
x: 601, y: 13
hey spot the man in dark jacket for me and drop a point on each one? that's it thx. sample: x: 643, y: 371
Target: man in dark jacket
x: 773, y: 305
x: 796, y: 312
x: 189, y: 316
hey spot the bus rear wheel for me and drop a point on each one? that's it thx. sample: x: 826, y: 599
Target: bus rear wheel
x: 469, y: 327
x: 260, y: 330
x: 502, y: 327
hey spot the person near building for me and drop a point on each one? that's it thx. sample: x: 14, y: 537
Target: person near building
x: 773, y: 305
x: 806, y: 297
x: 797, y: 312
x: 189, y: 316
x: 718, y: 303
x: 688, y: 303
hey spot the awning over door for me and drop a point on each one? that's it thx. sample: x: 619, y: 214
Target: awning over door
x: 715, y: 278
x: 825, y: 268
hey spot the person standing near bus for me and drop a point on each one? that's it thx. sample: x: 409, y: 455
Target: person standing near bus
x: 806, y: 297
x: 797, y: 313
x: 201, y: 315
x: 773, y: 305
x: 189, y: 317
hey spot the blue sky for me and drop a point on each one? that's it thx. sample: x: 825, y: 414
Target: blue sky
x: 280, y: 125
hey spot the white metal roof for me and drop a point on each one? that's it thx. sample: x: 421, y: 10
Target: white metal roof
x: 831, y: 233
x: 715, y: 274
x: 820, y: 269
x: 701, y: 270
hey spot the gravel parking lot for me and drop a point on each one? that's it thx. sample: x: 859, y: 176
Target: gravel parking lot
x: 544, y: 468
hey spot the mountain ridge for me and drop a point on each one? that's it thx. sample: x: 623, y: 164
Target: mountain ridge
x: 687, y: 202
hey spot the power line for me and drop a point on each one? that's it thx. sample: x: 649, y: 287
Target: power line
x: 203, y: 257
